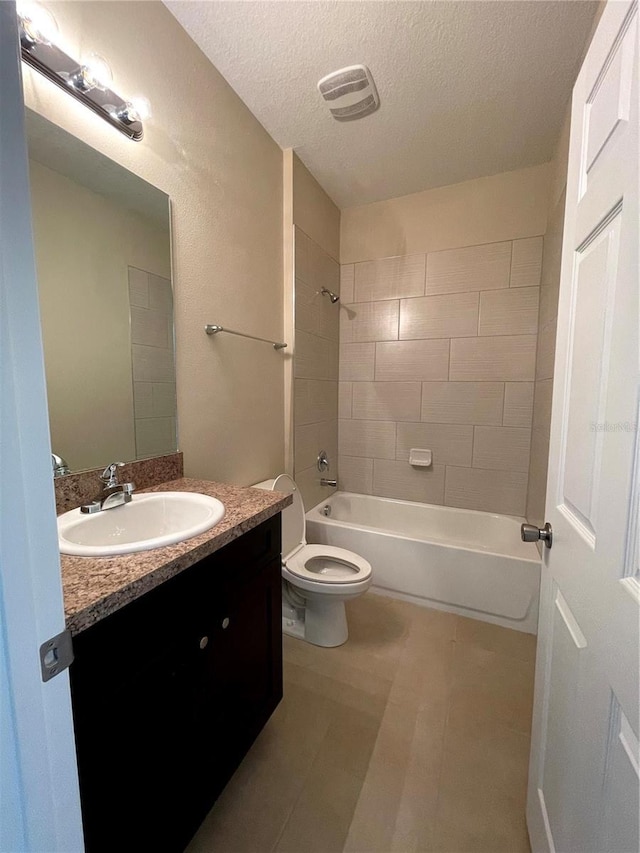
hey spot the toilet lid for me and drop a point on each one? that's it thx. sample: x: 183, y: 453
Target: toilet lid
x: 293, y: 521
x: 328, y: 564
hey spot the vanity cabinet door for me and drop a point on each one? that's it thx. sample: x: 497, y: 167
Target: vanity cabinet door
x: 241, y: 671
x: 171, y: 690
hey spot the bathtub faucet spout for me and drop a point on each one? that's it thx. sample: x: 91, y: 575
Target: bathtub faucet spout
x: 332, y: 483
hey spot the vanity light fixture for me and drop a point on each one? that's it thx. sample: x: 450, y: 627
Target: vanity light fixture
x: 89, y: 80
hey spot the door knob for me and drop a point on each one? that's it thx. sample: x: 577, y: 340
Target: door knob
x: 531, y: 533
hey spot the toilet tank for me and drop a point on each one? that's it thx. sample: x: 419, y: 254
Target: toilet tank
x: 293, y: 520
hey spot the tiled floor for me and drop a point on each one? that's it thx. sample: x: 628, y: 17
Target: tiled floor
x: 413, y: 736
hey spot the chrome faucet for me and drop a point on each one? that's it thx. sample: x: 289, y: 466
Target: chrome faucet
x: 332, y: 483
x: 113, y: 493
x: 59, y: 465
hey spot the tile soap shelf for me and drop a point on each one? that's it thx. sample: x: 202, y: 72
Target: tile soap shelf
x: 420, y: 458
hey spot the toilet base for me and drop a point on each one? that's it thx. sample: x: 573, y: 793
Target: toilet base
x: 325, y: 623
x: 292, y: 620
x: 322, y: 623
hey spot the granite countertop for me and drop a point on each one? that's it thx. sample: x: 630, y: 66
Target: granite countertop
x: 94, y: 587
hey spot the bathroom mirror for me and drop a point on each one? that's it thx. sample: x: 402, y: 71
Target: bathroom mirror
x: 103, y: 257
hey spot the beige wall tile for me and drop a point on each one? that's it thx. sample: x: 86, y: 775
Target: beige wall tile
x: 489, y: 491
x: 310, y: 439
x: 313, y: 265
x: 449, y: 316
x: 367, y: 438
x: 386, y: 401
x: 308, y: 481
x: 484, y: 267
x: 138, y: 287
x: 313, y: 357
x: 518, y: 404
x: 152, y: 364
x: 451, y: 444
x: 315, y: 400
x: 526, y: 262
x: 355, y: 475
x: 509, y: 312
x: 393, y: 479
x: 536, y: 495
x: 328, y: 318
x: 501, y: 448
x: 462, y: 402
x: 507, y: 358
x: 149, y: 328
x: 357, y: 362
x: 369, y: 321
x: 345, y: 392
x: 160, y: 294
x: 542, y: 405
x: 143, y: 399
x: 412, y: 360
x: 164, y: 399
x: 306, y: 308
x: 155, y: 436
x: 347, y: 280
x: 548, y: 304
x: 390, y: 278
x: 301, y: 260
x: 334, y: 358
x: 546, y: 351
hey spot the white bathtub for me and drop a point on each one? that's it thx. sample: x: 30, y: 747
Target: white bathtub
x: 466, y: 562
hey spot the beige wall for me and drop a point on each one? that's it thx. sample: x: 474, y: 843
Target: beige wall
x: 224, y: 176
x: 84, y: 245
x: 437, y: 348
x: 316, y: 319
x: 486, y: 210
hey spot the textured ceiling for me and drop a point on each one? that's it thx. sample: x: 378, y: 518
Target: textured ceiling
x: 466, y: 88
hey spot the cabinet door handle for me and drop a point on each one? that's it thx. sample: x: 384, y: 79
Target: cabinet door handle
x: 203, y: 642
x: 225, y: 622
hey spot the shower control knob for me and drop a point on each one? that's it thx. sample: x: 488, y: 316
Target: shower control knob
x: 531, y: 533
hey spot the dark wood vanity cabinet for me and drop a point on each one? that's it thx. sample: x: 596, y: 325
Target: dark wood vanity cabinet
x: 170, y: 692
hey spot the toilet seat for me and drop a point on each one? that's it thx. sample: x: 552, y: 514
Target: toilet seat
x: 327, y: 564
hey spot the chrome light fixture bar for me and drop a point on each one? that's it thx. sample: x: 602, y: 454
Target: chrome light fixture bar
x: 87, y: 81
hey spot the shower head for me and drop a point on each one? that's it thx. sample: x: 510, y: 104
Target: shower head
x: 332, y: 296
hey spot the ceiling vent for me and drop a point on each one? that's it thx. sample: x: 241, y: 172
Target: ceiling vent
x: 350, y: 92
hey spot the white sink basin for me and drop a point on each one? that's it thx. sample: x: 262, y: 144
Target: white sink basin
x: 148, y: 521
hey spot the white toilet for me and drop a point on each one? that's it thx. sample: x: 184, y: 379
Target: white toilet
x: 316, y: 579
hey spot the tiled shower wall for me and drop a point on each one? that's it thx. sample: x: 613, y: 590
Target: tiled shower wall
x: 315, y: 367
x: 438, y: 351
x: 152, y: 355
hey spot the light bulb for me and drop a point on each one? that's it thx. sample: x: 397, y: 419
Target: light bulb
x: 95, y: 73
x: 137, y: 109
x: 38, y: 24
x: 141, y: 107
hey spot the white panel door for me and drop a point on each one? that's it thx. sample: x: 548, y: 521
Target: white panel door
x: 39, y: 800
x: 583, y: 783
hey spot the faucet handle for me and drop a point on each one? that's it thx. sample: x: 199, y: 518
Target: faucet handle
x: 110, y: 474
